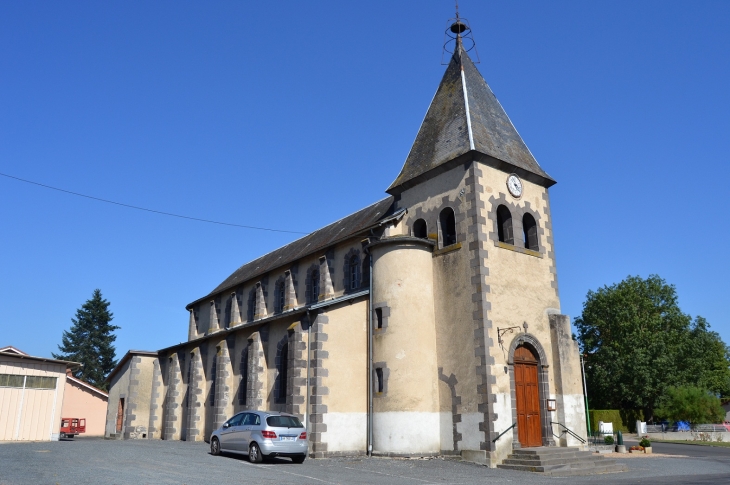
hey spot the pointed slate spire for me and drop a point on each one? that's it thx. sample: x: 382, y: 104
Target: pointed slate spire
x: 464, y: 117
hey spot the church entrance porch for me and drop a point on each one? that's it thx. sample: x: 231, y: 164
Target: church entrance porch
x: 528, y: 398
x: 528, y: 373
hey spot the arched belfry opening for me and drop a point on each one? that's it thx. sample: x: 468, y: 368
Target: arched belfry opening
x: 528, y: 371
x: 504, y: 225
x: 448, y: 227
x: 529, y: 229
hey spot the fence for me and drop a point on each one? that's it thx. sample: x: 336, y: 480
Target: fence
x: 699, y: 428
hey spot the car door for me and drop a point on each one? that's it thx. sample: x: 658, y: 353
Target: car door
x: 231, y: 428
x: 251, y: 422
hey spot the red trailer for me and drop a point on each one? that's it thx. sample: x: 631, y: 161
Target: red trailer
x: 70, y: 427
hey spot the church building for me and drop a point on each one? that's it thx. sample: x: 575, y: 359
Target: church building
x: 426, y: 324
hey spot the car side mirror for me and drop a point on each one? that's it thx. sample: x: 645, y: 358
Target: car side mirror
x: 226, y: 425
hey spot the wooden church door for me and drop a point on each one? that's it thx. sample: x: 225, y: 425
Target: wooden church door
x: 527, y: 392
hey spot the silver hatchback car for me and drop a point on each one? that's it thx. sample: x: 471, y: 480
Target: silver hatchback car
x: 261, y: 434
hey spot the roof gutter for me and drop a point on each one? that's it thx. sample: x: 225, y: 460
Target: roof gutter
x: 69, y: 364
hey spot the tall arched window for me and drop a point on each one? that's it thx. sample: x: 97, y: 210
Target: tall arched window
x: 228, y: 313
x: 504, y: 225
x: 280, y: 296
x: 529, y: 228
x: 282, y: 364
x: 243, y: 371
x: 213, y: 372
x: 353, y: 273
x: 448, y: 227
x: 251, y: 309
x: 314, y: 287
x: 420, y: 229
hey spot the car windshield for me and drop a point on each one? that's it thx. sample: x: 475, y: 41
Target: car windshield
x: 284, y: 422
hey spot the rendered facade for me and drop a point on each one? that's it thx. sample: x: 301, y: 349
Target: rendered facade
x: 427, y: 323
x: 82, y: 400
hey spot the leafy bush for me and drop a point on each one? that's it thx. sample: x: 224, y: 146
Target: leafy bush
x: 691, y: 404
x: 608, y: 440
x: 645, y: 443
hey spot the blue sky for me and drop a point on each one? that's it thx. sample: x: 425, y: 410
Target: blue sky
x: 290, y: 115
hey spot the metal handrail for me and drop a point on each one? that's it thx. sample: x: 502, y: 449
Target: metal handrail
x: 503, y: 432
x: 567, y: 430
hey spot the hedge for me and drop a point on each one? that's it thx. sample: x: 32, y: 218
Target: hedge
x: 623, y: 420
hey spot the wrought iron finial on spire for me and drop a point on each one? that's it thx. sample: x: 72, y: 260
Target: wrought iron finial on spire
x: 459, y: 33
x: 457, y: 27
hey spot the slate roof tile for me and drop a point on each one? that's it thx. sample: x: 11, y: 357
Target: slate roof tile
x: 317, y: 241
x: 444, y: 133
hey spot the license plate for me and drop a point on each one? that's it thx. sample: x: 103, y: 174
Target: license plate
x: 287, y: 438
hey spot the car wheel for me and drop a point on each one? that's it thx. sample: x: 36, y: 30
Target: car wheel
x: 254, y: 454
x: 215, y: 447
x: 299, y: 459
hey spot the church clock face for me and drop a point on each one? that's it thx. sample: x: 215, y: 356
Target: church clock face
x: 514, y: 185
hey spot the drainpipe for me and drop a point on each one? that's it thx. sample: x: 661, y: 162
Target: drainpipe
x: 370, y: 359
x: 585, y: 394
x: 309, y: 357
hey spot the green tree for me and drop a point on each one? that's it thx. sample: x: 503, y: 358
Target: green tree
x: 638, y: 342
x: 705, y: 359
x: 89, y: 341
x: 691, y: 404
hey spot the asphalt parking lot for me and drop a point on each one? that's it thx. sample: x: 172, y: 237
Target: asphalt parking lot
x: 96, y: 461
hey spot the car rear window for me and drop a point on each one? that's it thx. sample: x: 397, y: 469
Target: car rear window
x: 284, y: 422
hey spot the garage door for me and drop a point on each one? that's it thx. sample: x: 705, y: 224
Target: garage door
x: 27, y: 404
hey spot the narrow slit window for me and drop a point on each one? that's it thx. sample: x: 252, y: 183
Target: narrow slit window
x: 379, y: 318
x: 354, y: 273
x: 283, y: 367
x: 379, y: 376
x: 250, y: 311
x: 213, y: 372
x: 314, y: 295
x: 280, y: 296
x: 244, y: 376
x: 227, y: 317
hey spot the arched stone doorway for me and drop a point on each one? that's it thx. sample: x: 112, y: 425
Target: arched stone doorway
x: 528, y: 369
x: 527, y: 397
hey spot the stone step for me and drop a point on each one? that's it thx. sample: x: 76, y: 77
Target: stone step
x: 533, y: 468
x: 559, y: 461
x: 567, y: 470
x: 545, y: 450
x: 552, y: 456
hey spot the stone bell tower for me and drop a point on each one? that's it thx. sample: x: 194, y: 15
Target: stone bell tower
x: 471, y: 283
